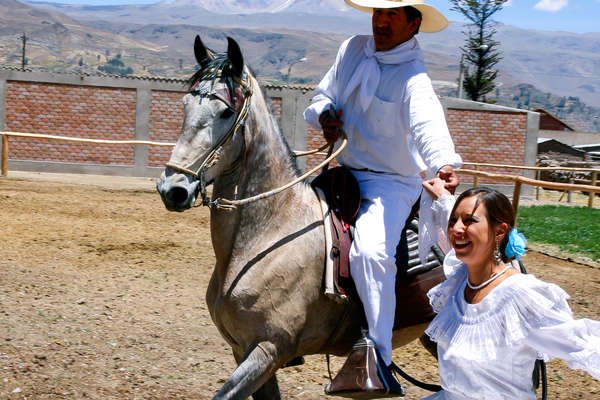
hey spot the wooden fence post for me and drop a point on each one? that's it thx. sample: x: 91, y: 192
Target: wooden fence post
x: 592, y: 194
x: 538, y: 175
x: 4, y: 155
x: 570, y: 193
x: 515, y: 200
x: 476, y: 178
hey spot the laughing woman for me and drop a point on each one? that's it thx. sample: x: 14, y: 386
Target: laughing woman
x: 493, y: 322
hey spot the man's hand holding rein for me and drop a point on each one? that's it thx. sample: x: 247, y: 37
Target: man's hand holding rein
x: 331, y: 122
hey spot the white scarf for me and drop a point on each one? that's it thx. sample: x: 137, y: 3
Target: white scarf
x: 367, y: 73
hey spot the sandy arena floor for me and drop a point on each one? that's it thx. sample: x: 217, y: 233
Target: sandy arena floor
x: 102, y: 297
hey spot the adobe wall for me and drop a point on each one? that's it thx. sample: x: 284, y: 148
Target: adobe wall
x: 116, y: 108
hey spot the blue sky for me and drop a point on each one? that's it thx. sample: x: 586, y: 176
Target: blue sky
x: 578, y: 16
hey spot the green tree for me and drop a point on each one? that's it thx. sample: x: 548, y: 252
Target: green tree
x: 115, y: 66
x: 480, y: 50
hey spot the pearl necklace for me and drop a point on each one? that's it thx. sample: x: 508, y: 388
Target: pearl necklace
x: 489, y: 280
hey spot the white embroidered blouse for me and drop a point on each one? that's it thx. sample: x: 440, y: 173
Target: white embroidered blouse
x: 488, y: 350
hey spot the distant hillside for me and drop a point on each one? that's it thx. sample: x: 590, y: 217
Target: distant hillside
x: 564, y: 63
x: 567, y: 108
x: 58, y: 42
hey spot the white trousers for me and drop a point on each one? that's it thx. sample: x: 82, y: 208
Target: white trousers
x: 386, y: 203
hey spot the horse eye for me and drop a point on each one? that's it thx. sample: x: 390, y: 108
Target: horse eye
x: 227, y: 113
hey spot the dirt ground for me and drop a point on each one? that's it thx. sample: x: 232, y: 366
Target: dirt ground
x: 102, y: 297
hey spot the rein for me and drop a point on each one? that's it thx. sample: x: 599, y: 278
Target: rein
x: 215, y: 155
x: 230, y: 205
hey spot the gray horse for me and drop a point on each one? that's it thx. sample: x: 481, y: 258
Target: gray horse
x: 266, y: 293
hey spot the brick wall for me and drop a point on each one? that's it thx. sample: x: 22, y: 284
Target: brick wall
x: 106, y: 108
x: 75, y: 111
x: 166, y: 117
x: 489, y: 137
x: 479, y: 136
x: 276, y: 108
x: 315, y: 140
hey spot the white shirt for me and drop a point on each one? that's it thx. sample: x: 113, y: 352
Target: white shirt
x: 488, y: 350
x: 403, y: 131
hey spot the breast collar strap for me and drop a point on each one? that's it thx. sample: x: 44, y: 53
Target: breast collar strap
x: 215, y: 153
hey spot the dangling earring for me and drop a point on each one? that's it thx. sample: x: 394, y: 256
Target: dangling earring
x: 497, y: 255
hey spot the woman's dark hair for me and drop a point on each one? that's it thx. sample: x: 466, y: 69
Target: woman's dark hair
x: 413, y: 13
x: 498, y: 207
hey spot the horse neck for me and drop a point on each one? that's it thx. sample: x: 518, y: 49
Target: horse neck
x: 268, y: 162
x: 267, y: 165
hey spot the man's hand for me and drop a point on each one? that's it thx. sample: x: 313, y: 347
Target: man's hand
x: 448, y: 175
x: 331, y: 123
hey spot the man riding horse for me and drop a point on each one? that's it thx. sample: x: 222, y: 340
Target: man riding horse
x: 378, y: 90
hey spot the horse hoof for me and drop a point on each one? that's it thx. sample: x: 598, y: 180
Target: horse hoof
x: 294, y: 362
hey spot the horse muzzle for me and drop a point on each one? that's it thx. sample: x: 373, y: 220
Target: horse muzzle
x: 178, y: 191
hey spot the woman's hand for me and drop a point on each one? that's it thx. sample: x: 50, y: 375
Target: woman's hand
x: 436, y: 188
x: 448, y: 175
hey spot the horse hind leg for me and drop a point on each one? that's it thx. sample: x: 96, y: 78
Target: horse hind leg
x: 255, y: 376
x: 268, y: 391
x: 429, y: 345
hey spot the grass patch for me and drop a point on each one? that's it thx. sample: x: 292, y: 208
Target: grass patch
x: 575, y: 230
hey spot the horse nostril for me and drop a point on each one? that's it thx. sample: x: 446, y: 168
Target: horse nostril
x: 177, y: 195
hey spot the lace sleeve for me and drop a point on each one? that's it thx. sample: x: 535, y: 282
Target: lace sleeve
x: 577, y: 342
x: 455, y: 272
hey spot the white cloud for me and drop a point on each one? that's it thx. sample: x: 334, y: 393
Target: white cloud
x: 551, y: 5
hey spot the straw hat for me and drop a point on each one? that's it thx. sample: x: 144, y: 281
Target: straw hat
x: 432, y: 21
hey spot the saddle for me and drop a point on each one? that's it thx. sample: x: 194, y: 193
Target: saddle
x: 340, y: 199
x: 339, y: 194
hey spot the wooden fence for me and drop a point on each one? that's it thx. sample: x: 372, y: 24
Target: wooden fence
x: 591, y: 189
x: 5, y: 135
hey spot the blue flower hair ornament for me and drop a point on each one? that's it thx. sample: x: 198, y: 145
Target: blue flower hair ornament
x: 515, y: 247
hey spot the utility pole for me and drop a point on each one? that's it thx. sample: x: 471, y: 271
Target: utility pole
x: 461, y: 76
x: 23, y: 52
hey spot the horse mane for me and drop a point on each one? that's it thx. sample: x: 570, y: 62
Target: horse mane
x: 211, y: 68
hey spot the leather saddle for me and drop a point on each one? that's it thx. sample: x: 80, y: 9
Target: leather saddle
x: 413, y: 279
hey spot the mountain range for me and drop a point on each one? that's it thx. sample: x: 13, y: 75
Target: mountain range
x: 274, y: 34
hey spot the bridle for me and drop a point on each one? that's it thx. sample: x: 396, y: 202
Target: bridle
x: 245, y: 89
x: 229, y: 98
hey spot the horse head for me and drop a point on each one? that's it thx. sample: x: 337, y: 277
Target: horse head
x: 211, y: 142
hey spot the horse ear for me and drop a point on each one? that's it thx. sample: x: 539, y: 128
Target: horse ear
x: 235, y: 57
x: 200, y: 51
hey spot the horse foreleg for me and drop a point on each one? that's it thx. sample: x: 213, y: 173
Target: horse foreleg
x: 256, y: 370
